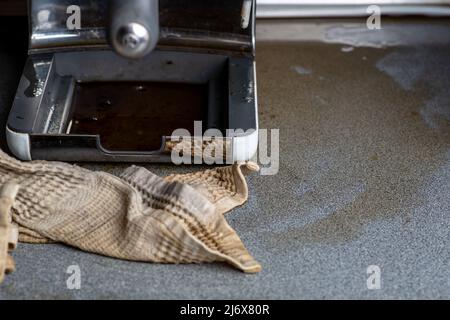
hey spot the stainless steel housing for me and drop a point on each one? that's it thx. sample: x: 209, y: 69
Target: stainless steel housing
x: 210, y: 42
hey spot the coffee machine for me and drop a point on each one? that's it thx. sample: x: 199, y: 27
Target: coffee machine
x: 112, y: 80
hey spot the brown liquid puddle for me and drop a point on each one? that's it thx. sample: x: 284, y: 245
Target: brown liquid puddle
x: 134, y: 116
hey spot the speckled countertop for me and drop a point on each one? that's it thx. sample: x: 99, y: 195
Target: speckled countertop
x: 364, y: 180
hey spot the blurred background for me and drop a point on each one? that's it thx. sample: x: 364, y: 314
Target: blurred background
x: 347, y: 8
x: 308, y: 8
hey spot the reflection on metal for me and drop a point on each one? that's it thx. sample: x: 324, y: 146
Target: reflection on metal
x: 246, y: 13
x: 224, y: 26
x: 349, y: 8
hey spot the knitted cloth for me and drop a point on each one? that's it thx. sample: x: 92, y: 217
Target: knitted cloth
x: 137, y: 216
x: 8, y: 231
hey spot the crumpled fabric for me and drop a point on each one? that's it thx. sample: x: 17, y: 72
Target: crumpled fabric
x: 8, y: 230
x: 137, y: 216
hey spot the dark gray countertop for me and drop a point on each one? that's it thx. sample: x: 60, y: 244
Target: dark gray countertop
x: 364, y: 180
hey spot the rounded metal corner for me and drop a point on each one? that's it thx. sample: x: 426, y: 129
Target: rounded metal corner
x: 245, y: 146
x: 18, y: 144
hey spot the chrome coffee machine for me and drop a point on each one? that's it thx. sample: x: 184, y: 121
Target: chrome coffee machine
x: 112, y: 80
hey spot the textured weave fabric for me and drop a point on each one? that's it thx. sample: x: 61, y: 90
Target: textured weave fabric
x: 137, y: 216
x: 8, y: 230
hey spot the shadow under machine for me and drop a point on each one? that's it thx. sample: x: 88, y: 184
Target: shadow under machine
x: 112, y: 80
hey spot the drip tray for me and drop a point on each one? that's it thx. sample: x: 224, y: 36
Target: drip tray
x: 135, y: 116
x: 97, y: 106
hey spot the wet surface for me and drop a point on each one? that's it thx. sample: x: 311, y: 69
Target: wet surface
x: 364, y: 180
x: 135, y: 116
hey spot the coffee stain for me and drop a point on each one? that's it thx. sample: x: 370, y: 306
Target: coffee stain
x: 135, y: 116
x: 365, y: 133
x: 411, y: 69
x: 301, y: 70
x: 347, y: 49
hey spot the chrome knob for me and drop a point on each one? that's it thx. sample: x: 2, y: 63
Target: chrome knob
x: 134, y: 29
x: 132, y: 40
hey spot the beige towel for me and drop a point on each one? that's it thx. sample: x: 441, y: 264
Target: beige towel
x: 137, y: 216
x: 8, y: 230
